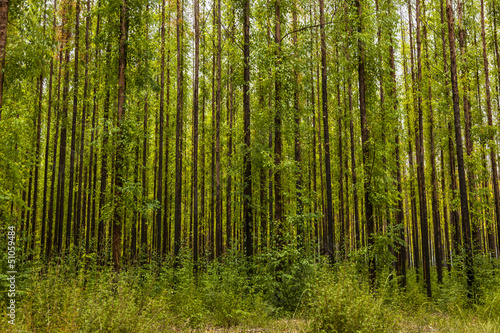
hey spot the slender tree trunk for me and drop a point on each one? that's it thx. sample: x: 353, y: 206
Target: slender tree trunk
x: 435, y: 201
x: 341, y: 184
x: 69, y: 215
x: 159, y: 188
x: 50, y: 213
x: 326, y: 137
x: 278, y: 128
x: 144, y: 227
x: 62, y: 152
x: 365, y: 138
x: 178, y: 134
x: 79, y: 208
x: 419, y: 144
x: 464, y: 204
x: 354, y: 178
x: 229, y: 158
x: 47, y: 149
x: 101, y: 235
x: 494, y: 168
x: 195, y: 130
x: 247, y: 164
x: 297, y: 150
x: 218, y: 198
x: 119, y: 212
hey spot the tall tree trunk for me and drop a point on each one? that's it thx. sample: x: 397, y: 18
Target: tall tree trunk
x: 464, y: 204
x: 195, y: 130
x: 341, y: 183
x: 178, y: 134
x: 330, y: 244
x: 297, y: 150
x: 119, y: 212
x: 353, y: 167
x: 69, y: 216
x: 229, y: 158
x: 218, y: 199
x: 419, y: 146
x: 62, y: 151
x: 247, y: 164
x: 93, y: 158
x: 47, y: 149
x: 79, y: 208
x: 493, y: 159
x: 365, y: 138
x: 50, y: 214
x: 101, y: 233
x: 167, y: 196
x: 435, y: 201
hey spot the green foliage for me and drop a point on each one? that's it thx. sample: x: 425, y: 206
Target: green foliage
x: 343, y: 303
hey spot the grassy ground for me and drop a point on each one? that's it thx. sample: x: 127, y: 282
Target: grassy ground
x: 307, y: 297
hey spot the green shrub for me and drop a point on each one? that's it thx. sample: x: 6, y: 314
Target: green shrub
x: 342, y: 303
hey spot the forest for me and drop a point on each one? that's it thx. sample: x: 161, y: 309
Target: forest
x: 249, y: 165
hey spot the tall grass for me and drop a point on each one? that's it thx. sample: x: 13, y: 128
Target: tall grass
x: 307, y: 295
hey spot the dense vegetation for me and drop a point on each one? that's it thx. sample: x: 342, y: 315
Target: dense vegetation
x: 309, y: 165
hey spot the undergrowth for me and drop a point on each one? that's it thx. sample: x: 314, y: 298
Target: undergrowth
x: 308, y: 294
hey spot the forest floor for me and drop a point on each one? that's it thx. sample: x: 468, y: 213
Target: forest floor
x: 311, y: 297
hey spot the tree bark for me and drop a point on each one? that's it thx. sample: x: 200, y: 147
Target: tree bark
x: 494, y: 168
x: 119, y: 213
x: 69, y: 215
x: 330, y: 244
x: 195, y: 130
x: 464, y: 204
x: 247, y: 164
x: 365, y: 138
x: 178, y: 135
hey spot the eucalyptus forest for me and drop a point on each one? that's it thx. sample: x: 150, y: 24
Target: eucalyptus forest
x: 250, y: 165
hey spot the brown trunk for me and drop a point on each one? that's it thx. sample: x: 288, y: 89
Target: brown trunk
x: 365, y: 138
x: 119, y: 214
x: 343, y: 245
x: 159, y: 180
x: 50, y: 213
x: 93, y: 160
x: 195, y: 130
x: 278, y: 124
x: 80, y: 208
x: 101, y: 236
x: 464, y: 204
x: 47, y: 150
x: 229, y: 158
x: 218, y: 199
x: 69, y: 215
x: 419, y: 147
x: 353, y: 167
x: 493, y: 160
x: 330, y: 244
x: 64, y: 121
x: 247, y: 165
x: 297, y: 152
x: 178, y: 135
x: 435, y: 201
